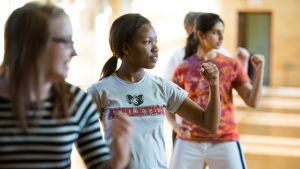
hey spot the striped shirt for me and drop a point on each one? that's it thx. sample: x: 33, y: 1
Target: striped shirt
x: 50, y: 141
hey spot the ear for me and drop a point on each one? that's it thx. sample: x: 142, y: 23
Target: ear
x: 200, y: 36
x: 125, y: 49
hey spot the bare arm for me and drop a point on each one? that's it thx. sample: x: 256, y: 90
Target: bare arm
x: 121, y: 131
x: 180, y: 129
x: 208, y: 119
x: 171, y: 119
x: 251, y: 93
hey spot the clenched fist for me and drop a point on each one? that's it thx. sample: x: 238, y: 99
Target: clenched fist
x: 257, y: 61
x: 210, y: 73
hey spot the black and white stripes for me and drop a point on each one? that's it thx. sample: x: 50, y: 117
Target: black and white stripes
x: 49, y: 142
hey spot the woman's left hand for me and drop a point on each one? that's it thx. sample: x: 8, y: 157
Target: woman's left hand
x: 257, y: 61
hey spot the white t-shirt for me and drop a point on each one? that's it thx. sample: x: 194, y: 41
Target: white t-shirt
x: 145, y: 103
x: 173, y: 62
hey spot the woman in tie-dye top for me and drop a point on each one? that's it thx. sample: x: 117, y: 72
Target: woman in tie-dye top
x: 220, y: 149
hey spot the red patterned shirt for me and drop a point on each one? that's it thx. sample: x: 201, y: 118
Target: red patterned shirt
x: 187, y: 75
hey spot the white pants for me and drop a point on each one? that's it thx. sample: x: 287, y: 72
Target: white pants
x: 192, y: 155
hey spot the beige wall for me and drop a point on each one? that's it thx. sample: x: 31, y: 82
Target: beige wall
x: 285, y: 34
x: 285, y: 44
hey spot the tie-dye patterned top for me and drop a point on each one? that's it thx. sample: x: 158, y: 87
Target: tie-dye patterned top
x: 187, y: 75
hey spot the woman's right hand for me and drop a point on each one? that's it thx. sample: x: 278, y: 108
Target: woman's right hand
x: 210, y: 73
x: 121, y: 132
x: 182, y: 131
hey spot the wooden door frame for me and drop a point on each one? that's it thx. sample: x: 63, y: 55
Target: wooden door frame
x: 255, y: 11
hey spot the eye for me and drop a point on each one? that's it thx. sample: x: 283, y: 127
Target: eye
x: 67, y: 42
x: 215, y: 32
x: 147, y: 42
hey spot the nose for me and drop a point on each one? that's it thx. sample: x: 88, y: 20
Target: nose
x: 155, y: 47
x: 74, y: 53
x: 221, y: 36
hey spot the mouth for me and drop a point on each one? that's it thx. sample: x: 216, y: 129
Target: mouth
x: 154, y: 58
x: 67, y: 63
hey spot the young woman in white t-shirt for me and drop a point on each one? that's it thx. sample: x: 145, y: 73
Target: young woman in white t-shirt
x: 143, y: 97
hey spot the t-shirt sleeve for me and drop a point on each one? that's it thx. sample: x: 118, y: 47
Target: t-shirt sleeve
x: 175, y: 96
x: 93, y: 91
x: 178, y: 76
x: 241, y: 75
x: 91, y: 144
x: 96, y: 97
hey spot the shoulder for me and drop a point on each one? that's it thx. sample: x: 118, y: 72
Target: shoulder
x: 154, y: 78
x: 165, y: 84
x: 159, y: 81
x: 188, y: 62
x: 224, y: 52
x: 225, y: 59
x: 97, y: 86
x: 74, y: 89
x: 78, y: 93
x: 82, y: 103
x: 228, y: 65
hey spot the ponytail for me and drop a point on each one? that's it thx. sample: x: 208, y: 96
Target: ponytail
x: 109, y: 67
x: 191, y: 45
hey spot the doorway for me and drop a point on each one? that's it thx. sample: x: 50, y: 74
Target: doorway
x: 254, y: 34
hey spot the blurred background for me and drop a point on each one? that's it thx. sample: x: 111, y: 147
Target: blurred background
x: 270, y: 133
